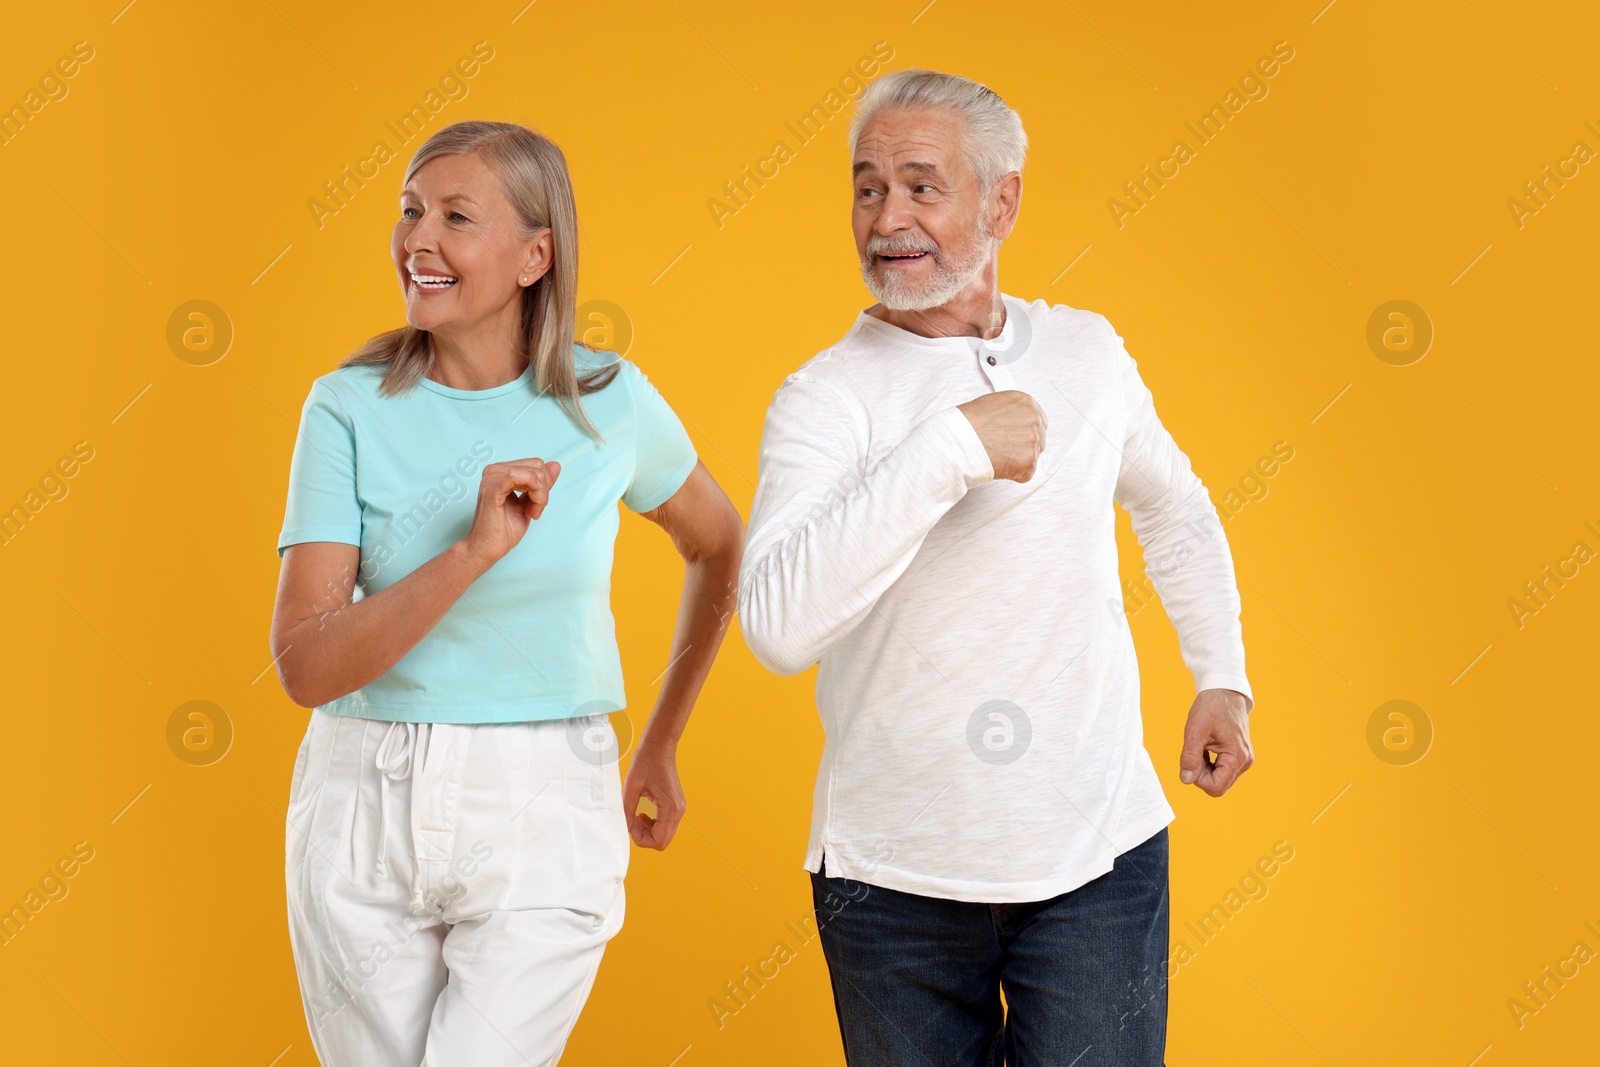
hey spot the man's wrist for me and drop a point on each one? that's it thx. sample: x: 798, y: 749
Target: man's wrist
x: 975, y: 463
x: 1249, y: 702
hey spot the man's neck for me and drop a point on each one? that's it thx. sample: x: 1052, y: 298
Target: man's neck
x: 981, y: 314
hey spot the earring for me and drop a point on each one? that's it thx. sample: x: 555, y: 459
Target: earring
x: 524, y: 279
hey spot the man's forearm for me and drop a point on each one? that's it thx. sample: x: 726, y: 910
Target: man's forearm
x: 809, y: 579
x: 1187, y: 557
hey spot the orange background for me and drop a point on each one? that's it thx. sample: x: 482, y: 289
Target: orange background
x: 1377, y: 566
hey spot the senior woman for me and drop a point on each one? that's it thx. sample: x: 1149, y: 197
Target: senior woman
x: 457, y: 834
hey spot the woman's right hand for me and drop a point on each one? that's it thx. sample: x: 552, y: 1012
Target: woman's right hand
x: 511, y: 495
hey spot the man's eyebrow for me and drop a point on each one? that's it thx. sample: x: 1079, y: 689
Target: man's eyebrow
x: 911, y: 164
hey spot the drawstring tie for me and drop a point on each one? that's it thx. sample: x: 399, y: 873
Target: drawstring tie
x: 394, y: 761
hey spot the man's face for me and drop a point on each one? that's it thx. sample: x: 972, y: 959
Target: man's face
x: 919, y: 217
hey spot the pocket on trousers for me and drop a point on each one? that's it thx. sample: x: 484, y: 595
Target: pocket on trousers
x: 302, y: 760
x: 595, y: 792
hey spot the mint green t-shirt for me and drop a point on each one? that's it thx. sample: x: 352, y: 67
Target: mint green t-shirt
x: 533, y: 637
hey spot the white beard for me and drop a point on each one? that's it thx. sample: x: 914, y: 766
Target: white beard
x: 948, y: 280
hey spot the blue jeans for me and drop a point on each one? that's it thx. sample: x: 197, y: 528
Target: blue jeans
x: 917, y: 980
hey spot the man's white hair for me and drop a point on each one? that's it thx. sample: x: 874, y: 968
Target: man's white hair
x: 994, y: 144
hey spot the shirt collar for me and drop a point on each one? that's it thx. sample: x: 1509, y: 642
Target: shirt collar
x: 961, y: 343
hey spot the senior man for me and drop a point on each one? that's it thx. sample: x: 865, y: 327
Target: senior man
x: 986, y: 818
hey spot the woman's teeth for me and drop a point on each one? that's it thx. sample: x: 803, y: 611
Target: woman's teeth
x: 433, y: 281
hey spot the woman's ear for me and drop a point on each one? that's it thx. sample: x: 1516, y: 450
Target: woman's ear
x: 540, y: 256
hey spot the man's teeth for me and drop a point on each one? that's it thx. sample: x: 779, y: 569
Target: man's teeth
x: 433, y: 281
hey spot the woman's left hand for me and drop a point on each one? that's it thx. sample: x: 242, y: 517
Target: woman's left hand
x: 654, y: 774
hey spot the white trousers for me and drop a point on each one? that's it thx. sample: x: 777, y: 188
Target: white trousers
x: 451, y: 887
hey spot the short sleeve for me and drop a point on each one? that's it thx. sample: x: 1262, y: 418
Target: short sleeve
x: 322, y: 502
x: 663, y: 454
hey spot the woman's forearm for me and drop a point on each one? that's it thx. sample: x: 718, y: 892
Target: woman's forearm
x: 332, y: 653
x: 710, y: 596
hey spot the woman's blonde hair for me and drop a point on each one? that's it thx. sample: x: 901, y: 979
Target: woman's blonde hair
x: 533, y: 176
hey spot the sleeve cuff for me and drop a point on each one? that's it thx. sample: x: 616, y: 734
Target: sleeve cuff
x: 669, y: 488
x: 966, y: 447
x: 301, y: 534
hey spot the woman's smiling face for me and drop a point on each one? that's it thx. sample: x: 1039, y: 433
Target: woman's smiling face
x: 457, y: 250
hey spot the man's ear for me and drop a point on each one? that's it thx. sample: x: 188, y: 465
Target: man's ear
x: 1005, y: 204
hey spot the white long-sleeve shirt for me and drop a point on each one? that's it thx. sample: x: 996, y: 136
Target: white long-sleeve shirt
x: 978, y: 683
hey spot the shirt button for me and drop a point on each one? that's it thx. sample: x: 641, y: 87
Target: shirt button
x: 991, y: 361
